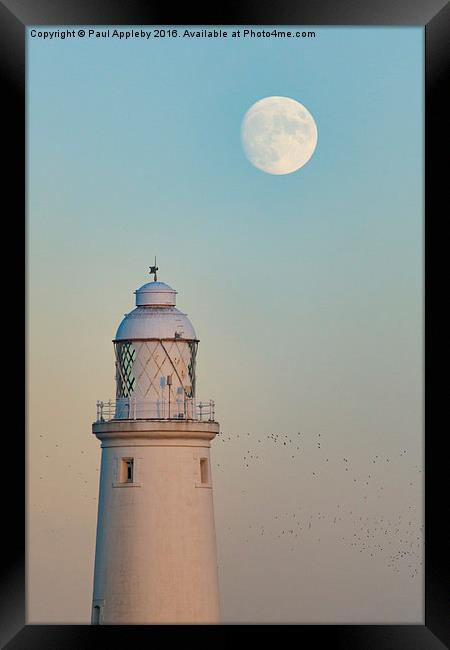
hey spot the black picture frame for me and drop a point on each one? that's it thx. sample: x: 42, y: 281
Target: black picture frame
x: 15, y: 16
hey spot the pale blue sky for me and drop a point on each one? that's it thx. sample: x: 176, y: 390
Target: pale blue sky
x: 305, y: 289
x: 136, y: 141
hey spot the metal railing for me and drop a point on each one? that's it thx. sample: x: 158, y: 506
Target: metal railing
x: 131, y: 408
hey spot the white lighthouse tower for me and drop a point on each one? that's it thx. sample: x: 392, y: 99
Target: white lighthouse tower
x: 156, y: 559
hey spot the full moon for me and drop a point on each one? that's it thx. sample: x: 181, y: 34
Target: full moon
x: 279, y: 135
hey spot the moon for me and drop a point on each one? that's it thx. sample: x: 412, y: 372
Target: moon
x: 279, y: 135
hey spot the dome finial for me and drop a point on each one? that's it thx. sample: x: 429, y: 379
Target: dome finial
x: 153, y: 270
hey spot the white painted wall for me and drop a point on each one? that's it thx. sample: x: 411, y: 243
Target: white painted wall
x: 156, y: 558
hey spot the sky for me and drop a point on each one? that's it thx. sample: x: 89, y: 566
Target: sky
x: 305, y: 290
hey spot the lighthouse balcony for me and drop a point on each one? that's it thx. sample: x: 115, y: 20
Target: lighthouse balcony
x: 130, y: 408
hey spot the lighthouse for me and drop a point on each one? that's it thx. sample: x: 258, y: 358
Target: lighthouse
x: 156, y: 557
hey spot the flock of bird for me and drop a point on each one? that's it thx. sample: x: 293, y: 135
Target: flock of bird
x: 396, y: 538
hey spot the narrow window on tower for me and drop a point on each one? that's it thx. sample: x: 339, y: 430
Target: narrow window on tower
x: 127, y: 470
x: 204, y: 471
x: 96, y: 615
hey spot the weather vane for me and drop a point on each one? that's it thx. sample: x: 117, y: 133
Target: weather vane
x: 153, y: 270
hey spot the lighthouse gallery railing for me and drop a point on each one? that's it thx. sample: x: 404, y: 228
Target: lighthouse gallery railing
x: 187, y: 409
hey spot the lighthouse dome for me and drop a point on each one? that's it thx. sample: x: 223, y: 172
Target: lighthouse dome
x: 155, y: 316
